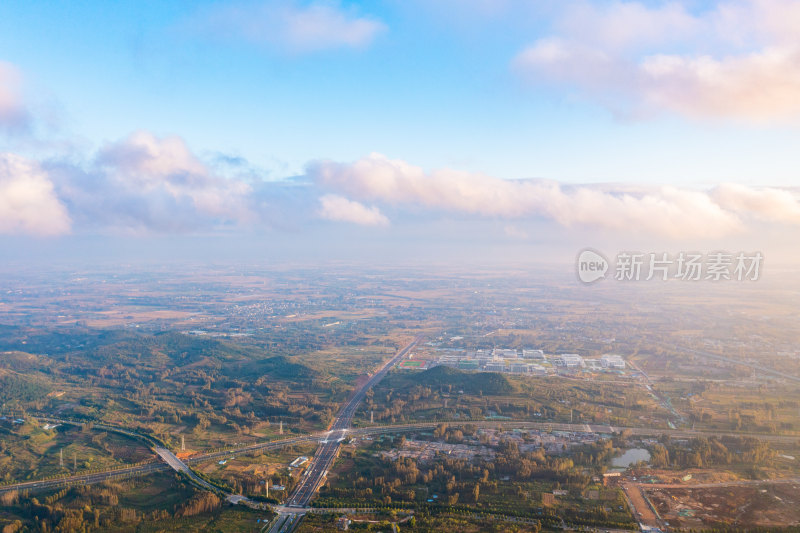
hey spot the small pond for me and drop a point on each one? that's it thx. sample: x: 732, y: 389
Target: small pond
x: 634, y: 455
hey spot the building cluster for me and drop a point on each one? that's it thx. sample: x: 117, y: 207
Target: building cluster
x: 606, y: 362
x: 553, y: 442
x: 511, y: 361
x: 423, y: 450
x: 482, y: 443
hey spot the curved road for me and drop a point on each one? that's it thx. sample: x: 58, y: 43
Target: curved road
x: 143, y: 469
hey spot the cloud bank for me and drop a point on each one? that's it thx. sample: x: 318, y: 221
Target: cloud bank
x: 664, y: 211
x: 739, y: 59
x: 147, y: 184
x: 144, y: 164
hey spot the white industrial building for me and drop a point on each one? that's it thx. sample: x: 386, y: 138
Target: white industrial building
x: 537, y: 369
x: 533, y: 354
x: 594, y: 364
x: 505, y: 353
x: 613, y: 361
x: 447, y: 360
x: 519, y: 368
x: 572, y: 360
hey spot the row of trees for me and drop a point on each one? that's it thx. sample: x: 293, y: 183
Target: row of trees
x: 713, y: 451
x: 500, y: 484
x: 93, y: 507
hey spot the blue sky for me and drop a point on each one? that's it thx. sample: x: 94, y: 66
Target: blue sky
x: 620, y: 98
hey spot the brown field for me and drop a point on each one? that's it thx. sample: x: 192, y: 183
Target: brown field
x: 764, y: 505
x: 126, y: 316
x: 641, y: 510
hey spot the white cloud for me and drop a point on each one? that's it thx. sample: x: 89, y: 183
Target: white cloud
x: 28, y: 202
x: 290, y: 25
x: 776, y: 205
x: 557, y: 60
x: 147, y: 184
x: 621, y: 25
x: 143, y: 165
x: 661, y: 211
x: 338, y: 208
x: 762, y: 85
x: 740, y: 59
x: 14, y: 116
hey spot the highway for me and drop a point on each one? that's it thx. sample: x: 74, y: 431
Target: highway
x: 329, y: 448
x: 330, y: 445
x: 85, y: 479
x: 250, y: 448
x: 179, y: 466
x: 99, y: 477
x: 148, y: 468
x: 290, y: 515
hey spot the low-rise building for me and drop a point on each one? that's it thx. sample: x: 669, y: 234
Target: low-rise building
x: 468, y: 364
x: 537, y: 369
x: 613, y: 361
x: 449, y: 360
x: 593, y: 364
x: 504, y: 353
x: 533, y: 354
x: 572, y: 360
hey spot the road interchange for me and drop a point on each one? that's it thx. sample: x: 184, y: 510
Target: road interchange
x: 289, y: 515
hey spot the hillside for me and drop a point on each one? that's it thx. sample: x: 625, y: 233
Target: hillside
x: 458, y: 380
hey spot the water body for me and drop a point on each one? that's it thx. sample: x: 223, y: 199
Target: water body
x: 634, y: 455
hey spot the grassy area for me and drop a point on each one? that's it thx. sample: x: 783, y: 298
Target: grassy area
x: 154, y: 493
x: 443, y: 393
x: 228, y: 519
x: 159, y: 502
x: 347, y: 363
x: 422, y: 522
x: 33, y: 450
x: 248, y: 473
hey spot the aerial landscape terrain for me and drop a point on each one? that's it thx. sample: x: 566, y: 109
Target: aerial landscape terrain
x: 251, y: 377
x: 420, y: 266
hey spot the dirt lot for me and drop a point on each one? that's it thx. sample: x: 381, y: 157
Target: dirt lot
x: 698, y: 475
x: 641, y: 510
x: 769, y: 504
